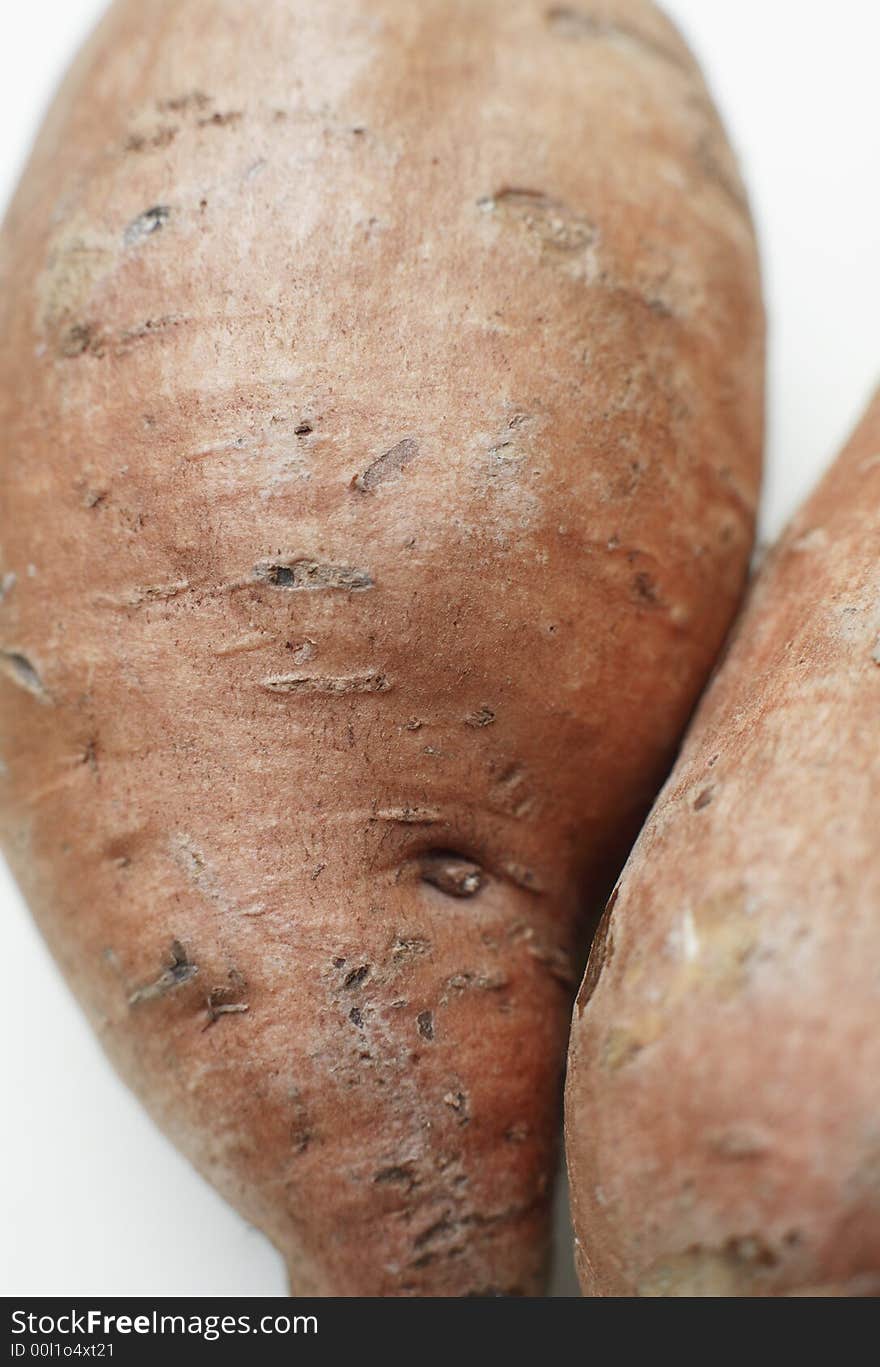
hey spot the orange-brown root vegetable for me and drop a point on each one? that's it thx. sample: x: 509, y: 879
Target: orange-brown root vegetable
x: 723, y: 1095
x: 382, y: 413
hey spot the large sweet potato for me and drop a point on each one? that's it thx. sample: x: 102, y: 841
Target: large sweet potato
x: 723, y: 1095
x: 382, y: 390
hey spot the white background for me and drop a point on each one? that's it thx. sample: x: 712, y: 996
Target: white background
x: 92, y: 1199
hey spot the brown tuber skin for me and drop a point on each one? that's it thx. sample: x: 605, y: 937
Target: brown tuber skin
x: 723, y: 1094
x: 382, y: 400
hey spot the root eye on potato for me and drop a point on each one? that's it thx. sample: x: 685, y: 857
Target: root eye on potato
x: 451, y: 873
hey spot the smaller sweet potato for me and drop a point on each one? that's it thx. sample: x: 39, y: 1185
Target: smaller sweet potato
x: 723, y: 1096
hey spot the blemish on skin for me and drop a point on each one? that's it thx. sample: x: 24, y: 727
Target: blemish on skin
x: 451, y: 875
x: 147, y: 223
x: 410, y: 946
x: 559, y: 229
x: 454, y: 1225
x: 301, y: 1132
x: 332, y: 685
x: 178, y: 971
x: 734, y: 1269
x: 458, y: 1102
x: 645, y: 589
x: 80, y: 339
x: 141, y: 595
x: 397, y: 1174
x: 408, y: 816
x: 254, y: 641
x: 163, y: 136
x: 303, y: 652
x: 111, y: 959
x: 690, y: 942
x: 571, y: 23
x: 19, y: 669
x: 523, y: 877
x: 300, y: 573
x: 356, y: 976
x: 217, y: 1003
x: 217, y: 448
x: 438, y: 1230
x: 425, y: 1024
x: 7, y: 584
x: 484, y: 716
x: 179, y: 104
x: 303, y: 429
x: 387, y: 466
x: 723, y: 942
x: 355, y: 1015
x: 199, y: 871
x: 510, y: 794
x: 703, y: 799
x: 150, y: 328
x: 741, y: 1141
x: 474, y: 982
x: 221, y: 120
x: 89, y: 755
x: 557, y: 962
x: 875, y: 656
x: 620, y: 1048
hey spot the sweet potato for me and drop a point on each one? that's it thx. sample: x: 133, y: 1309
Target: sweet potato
x: 723, y: 1093
x: 382, y: 390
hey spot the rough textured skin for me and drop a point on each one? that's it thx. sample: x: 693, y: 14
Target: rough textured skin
x: 382, y: 390
x: 723, y: 1094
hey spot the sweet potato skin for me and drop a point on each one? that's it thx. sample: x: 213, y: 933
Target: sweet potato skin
x: 723, y: 1091
x: 382, y: 406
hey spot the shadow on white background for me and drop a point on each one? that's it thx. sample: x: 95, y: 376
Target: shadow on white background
x: 92, y: 1199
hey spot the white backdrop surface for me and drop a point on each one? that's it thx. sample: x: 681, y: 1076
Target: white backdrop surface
x: 92, y: 1199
